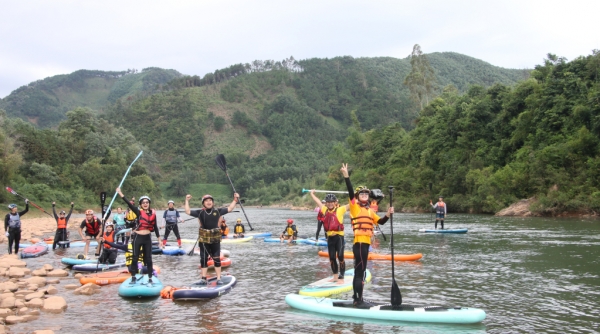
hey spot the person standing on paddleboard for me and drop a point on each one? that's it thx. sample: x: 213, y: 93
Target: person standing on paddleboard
x: 119, y: 220
x: 92, y: 227
x: 141, y: 235
x: 12, y: 225
x: 333, y: 224
x: 171, y: 218
x: 364, y: 220
x: 440, y: 211
x: 209, y: 233
x: 61, y: 226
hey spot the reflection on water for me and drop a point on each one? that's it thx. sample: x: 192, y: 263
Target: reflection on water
x: 529, y: 274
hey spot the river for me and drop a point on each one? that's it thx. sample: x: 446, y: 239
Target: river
x: 528, y: 274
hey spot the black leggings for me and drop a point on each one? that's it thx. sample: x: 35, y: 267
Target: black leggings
x: 109, y: 256
x: 14, y: 235
x: 335, y: 246
x: 214, y: 250
x: 60, y: 235
x: 141, y: 244
x: 168, y: 229
x: 361, y: 254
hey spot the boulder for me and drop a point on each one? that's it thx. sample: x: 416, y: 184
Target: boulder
x: 23, y: 310
x: 38, y: 294
x: 43, y: 331
x: 57, y: 273
x: 33, y: 287
x: 78, y: 275
x: 11, y: 286
x: 8, y: 302
x: 38, y: 272
x: 5, y: 312
x: 87, y: 289
x: 16, y: 272
x: 91, y: 303
x: 72, y: 286
x: 12, y: 262
x: 19, y: 303
x: 55, y: 304
x: 26, y: 271
x: 14, y: 319
x: 22, y: 284
x: 51, y: 290
x: 34, y: 312
x: 520, y: 208
x: 40, y: 281
x: 29, y: 317
x: 6, y: 295
x: 53, y: 281
x: 35, y: 303
x: 48, y: 267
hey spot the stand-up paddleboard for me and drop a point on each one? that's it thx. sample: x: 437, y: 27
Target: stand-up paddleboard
x: 73, y: 244
x: 172, y: 250
x: 377, y: 256
x: 381, y: 311
x: 237, y: 240
x: 326, y: 288
x: 69, y: 261
x: 225, y: 262
x: 141, y: 289
x: 98, y: 267
x: 111, y: 277
x: 252, y: 234
x: 313, y: 242
x: 208, y: 291
x: 451, y: 230
x: 35, y: 250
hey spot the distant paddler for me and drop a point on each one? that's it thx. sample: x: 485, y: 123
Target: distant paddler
x: 440, y: 211
x: 62, y: 219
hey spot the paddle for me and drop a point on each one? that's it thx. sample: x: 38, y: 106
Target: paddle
x: 220, y: 159
x: 325, y: 191
x: 10, y: 190
x: 396, y: 295
x: 103, y: 206
x: 430, y: 196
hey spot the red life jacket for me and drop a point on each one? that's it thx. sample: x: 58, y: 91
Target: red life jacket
x: 94, y: 227
x: 109, y: 237
x: 320, y: 216
x: 147, y: 221
x: 62, y: 222
x: 331, y: 222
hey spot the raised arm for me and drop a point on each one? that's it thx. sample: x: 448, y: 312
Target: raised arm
x: 236, y: 198
x: 54, y: 210
x: 315, y: 198
x: 186, y: 206
x: 344, y: 170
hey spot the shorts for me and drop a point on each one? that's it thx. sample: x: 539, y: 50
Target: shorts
x: 92, y: 236
x: 439, y: 215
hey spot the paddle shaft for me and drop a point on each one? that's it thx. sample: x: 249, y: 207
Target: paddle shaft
x: 430, y: 196
x: 10, y: 190
x: 122, y: 180
x: 240, y: 203
x: 396, y: 296
x: 325, y: 191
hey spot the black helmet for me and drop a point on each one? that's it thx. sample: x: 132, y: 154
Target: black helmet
x: 330, y: 198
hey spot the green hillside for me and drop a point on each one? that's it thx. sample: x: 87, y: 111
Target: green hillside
x: 45, y: 102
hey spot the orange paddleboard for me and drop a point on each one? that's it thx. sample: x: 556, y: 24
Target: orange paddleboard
x: 109, y: 277
x: 377, y: 256
x: 225, y: 262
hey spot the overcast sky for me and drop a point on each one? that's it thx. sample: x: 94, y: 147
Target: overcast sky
x: 44, y: 38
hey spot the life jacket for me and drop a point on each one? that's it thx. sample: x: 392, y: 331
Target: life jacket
x: 171, y: 216
x: 440, y: 208
x: 130, y: 216
x: 109, y: 237
x: 290, y: 231
x: 94, y: 227
x: 129, y: 256
x: 14, y: 221
x: 225, y: 232
x: 331, y: 222
x: 239, y: 228
x: 147, y: 220
x: 61, y: 222
x: 320, y: 216
x: 363, y: 223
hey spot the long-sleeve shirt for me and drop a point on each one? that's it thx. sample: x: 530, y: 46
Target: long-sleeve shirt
x: 138, y: 213
x: 7, y: 217
x: 442, y: 206
x: 66, y: 217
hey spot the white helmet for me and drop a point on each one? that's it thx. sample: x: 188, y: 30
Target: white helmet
x: 109, y: 224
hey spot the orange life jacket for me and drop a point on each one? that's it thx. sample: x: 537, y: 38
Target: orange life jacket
x: 147, y: 220
x: 109, y: 237
x: 363, y: 223
x: 225, y: 232
x: 62, y: 222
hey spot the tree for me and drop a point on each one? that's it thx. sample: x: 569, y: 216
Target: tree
x: 421, y: 80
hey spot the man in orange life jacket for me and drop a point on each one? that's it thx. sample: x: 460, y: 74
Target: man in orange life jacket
x: 92, y: 227
x: 332, y: 219
x: 61, y: 226
x: 363, y: 220
x: 440, y: 211
x: 109, y: 254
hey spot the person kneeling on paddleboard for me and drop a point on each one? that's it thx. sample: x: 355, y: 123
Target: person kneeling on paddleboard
x: 364, y: 219
x: 224, y: 229
x: 290, y: 233
x: 209, y: 233
x: 333, y: 223
x: 109, y: 254
x: 239, y: 229
x: 142, y: 239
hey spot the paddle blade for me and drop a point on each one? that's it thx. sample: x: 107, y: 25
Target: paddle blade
x: 396, y: 295
x: 11, y: 191
x: 220, y: 159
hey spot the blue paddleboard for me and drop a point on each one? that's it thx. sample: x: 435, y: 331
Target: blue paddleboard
x: 141, y: 288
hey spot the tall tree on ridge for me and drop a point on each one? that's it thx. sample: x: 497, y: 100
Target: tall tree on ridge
x: 421, y: 80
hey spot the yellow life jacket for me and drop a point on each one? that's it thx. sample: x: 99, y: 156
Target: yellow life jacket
x: 363, y: 223
x: 129, y: 256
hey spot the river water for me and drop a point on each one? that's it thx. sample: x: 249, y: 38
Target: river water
x: 529, y: 275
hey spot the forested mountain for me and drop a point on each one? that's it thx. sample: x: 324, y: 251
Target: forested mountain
x: 490, y: 147
x: 45, y: 102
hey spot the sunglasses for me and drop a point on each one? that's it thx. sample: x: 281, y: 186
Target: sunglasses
x: 145, y: 202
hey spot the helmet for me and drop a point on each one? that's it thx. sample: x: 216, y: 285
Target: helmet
x: 108, y: 224
x: 205, y: 197
x: 89, y: 212
x: 330, y: 198
x: 143, y: 198
x: 290, y: 221
x: 362, y: 189
x: 12, y: 206
x: 323, y: 201
x: 239, y: 219
x: 62, y: 212
x: 440, y: 196
x: 170, y: 201
x: 80, y: 256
